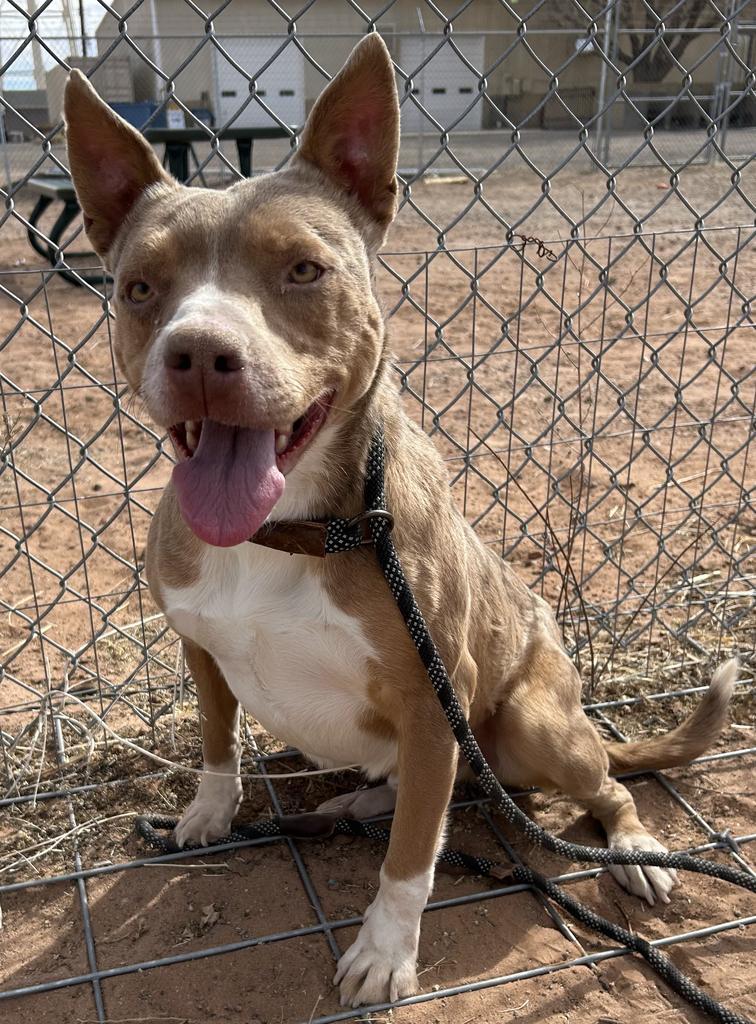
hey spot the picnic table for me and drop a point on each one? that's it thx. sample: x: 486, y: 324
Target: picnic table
x: 179, y: 142
x: 50, y: 188
x: 179, y: 145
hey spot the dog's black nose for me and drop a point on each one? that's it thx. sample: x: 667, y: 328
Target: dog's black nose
x: 228, y: 363
x: 177, y: 360
x: 205, y: 370
x: 186, y: 354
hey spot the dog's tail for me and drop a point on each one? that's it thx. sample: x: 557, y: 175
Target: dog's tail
x: 690, y: 739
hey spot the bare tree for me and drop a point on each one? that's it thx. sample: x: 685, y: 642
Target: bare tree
x: 640, y: 19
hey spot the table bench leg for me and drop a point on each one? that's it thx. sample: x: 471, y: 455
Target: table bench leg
x: 244, y: 149
x: 49, y: 250
x: 177, y: 157
x: 33, y: 231
x: 67, y: 215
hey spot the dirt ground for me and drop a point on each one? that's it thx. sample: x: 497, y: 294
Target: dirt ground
x: 171, y: 909
x: 74, y: 450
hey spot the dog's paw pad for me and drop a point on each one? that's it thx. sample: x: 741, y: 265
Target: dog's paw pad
x: 653, y: 884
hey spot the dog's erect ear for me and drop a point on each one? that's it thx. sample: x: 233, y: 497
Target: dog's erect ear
x: 352, y: 133
x: 111, y: 163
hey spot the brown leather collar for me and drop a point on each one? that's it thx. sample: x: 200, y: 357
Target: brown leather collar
x: 318, y: 538
x: 321, y: 537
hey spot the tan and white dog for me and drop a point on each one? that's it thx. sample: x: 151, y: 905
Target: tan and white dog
x: 248, y: 323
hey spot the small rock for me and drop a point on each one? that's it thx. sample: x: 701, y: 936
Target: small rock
x: 209, y: 916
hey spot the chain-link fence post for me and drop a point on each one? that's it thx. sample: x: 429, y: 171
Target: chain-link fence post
x: 726, y: 93
x: 4, y: 146
x: 604, y: 117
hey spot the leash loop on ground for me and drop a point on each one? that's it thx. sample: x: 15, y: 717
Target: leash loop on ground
x: 159, y: 831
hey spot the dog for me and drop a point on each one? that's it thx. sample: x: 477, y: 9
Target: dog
x: 248, y: 324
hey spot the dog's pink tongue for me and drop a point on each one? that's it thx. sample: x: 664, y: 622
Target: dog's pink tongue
x: 229, y: 486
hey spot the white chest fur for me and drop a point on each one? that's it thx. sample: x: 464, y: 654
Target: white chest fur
x: 292, y: 658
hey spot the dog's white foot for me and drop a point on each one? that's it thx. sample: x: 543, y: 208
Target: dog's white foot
x: 363, y: 803
x: 209, y: 815
x: 380, y: 966
x: 650, y: 883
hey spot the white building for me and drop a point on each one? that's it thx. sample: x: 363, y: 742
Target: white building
x: 250, y: 32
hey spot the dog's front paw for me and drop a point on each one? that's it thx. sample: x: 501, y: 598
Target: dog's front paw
x: 380, y: 966
x: 208, y: 817
x: 375, y: 970
x: 650, y: 883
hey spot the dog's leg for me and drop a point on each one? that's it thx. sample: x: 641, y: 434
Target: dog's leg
x: 381, y: 964
x: 544, y: 738
x: 615, y: 808
x: 210, y: 814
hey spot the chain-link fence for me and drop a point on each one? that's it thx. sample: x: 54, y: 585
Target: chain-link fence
x: 570, y: 288
x: 619, y: 82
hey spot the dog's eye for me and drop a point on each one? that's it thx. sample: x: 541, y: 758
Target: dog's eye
x: 138, y: 292
x: 305, y: 272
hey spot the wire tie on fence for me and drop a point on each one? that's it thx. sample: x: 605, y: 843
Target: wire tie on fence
x: 542, y: 249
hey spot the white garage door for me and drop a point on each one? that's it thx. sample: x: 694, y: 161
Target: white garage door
x: 281, y: 86
x: 445, y: 86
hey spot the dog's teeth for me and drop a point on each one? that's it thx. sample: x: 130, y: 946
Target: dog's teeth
x: 192, y: 434
x: 282, y: 443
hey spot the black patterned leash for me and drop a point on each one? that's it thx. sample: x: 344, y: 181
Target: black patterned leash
x: 159, y: 831
x: 391, y: 567
x: 426, y: 648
